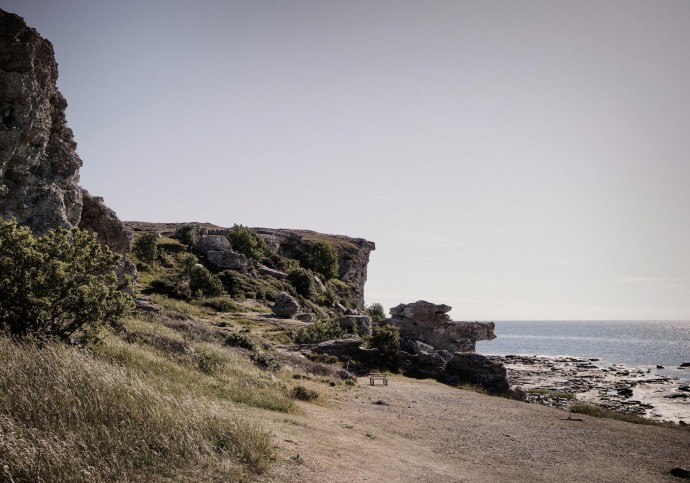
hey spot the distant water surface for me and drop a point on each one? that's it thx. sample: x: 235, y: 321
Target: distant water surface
x: 632, y: 343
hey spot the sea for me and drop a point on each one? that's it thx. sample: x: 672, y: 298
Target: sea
x: 633, y: 343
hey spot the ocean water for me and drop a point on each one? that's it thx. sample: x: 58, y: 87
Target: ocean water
x: 633, y: 343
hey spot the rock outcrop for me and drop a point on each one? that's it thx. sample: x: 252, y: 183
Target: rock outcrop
x: 353, y: 253
x: 97, y: 217
x: 433, y: 345
x: 285, y: 305
x: 39, y: 167
x: 430, y: 323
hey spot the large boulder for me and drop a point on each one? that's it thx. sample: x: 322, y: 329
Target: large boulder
x: 206, y: 243
x: 430, y: 323
x: 285, y: 305
x: 229, y: 259
x: 341, y: 348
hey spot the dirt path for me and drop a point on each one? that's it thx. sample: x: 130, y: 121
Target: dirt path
x: 432, y: 432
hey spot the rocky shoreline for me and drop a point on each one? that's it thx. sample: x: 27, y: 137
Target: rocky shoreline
x: 564, y: 381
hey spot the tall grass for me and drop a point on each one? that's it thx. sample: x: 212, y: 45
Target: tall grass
x: 66, y: 415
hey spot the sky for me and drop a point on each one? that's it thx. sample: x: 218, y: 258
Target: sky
x: 517, y: 160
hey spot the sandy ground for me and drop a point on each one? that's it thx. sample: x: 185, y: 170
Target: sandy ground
x: 432, y: 432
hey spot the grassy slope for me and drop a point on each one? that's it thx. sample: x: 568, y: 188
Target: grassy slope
x: 165, y: 399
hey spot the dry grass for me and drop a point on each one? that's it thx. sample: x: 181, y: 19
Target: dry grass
x: 66, y: 415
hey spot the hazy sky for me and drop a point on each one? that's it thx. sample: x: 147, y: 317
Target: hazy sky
x: 513, y: 159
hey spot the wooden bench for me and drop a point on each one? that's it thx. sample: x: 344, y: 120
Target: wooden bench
x: 374, y: 376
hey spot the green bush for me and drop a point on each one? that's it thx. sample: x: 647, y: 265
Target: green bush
x: 319, y: 331
x: 187, y: 235
x: 321, y: 257
x: 304, y: 394
x: 247, y: 242
x: 376, y: 312
x: 145, y: 248
x: 61, y: 284
x: 240, y: 340
x: 303, y: 281
x: 386, y: 340
x: 266, y: 360
x: 222, y: 303
x: 203, y: 283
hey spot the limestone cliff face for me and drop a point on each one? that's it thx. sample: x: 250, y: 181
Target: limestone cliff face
x: 39, y: 167
x: 353, y: 253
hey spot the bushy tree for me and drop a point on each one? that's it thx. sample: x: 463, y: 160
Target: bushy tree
x: 145, y: 248
x: 322, y: 258
x: 319, y: 331
x: 386, y: 340
x: 203, y: 283
x: 303, y: 281
x: 376, y: 312
x: 187, y: 235
x: 62, y: 284
x: 247, y: 242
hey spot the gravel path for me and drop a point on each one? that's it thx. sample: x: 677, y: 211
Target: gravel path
x: 425, y: 431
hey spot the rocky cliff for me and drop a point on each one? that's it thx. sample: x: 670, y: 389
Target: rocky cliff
x: 39, y: 165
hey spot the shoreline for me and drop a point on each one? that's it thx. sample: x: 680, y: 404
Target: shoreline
x: 562, y: 381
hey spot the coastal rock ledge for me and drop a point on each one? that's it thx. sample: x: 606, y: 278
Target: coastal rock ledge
x: 434, y: 345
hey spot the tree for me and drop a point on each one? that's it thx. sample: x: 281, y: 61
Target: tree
x: 145, y: 248
x: 376, y: 312
x: 203, y: 283
x: 386, y: 340
x: 303, y: 281
x: 247, y: 242
x: 322, y: 258
x: 187, y: 235
x: 62, y: 284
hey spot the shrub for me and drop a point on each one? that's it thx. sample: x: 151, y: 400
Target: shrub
x: 203, y: 283
x: 376, y: 312
x: 322, y: 258
x: 303, y: 281
x: 318, y: 332
x: 145, y: 248
x: 60, y: 284
x: 240, y: 340
x: 304, y: 394
x: 247, y: 242
x: 386, y: 340
x: 186, y: 234
x: 221, y: 304
x: 266, y: 361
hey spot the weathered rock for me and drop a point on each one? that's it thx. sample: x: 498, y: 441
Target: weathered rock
x: 416, y: 347
x: 305, y: 317
x: 359, y: 324
x: 474, y: 368
x: 423, y: 363
x: 39, y: 166
x: 353, y: 253
x: 229, y: 259
x: 430, y: 324
x: 206, y: 243
x: 264, y: 270
x: 98, y: 218
x: 285, y: 305
x: 342, y: 348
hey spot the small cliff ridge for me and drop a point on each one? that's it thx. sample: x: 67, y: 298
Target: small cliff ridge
x: 353, y: 253
x: 213, y: 245
x: 39, y: 165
